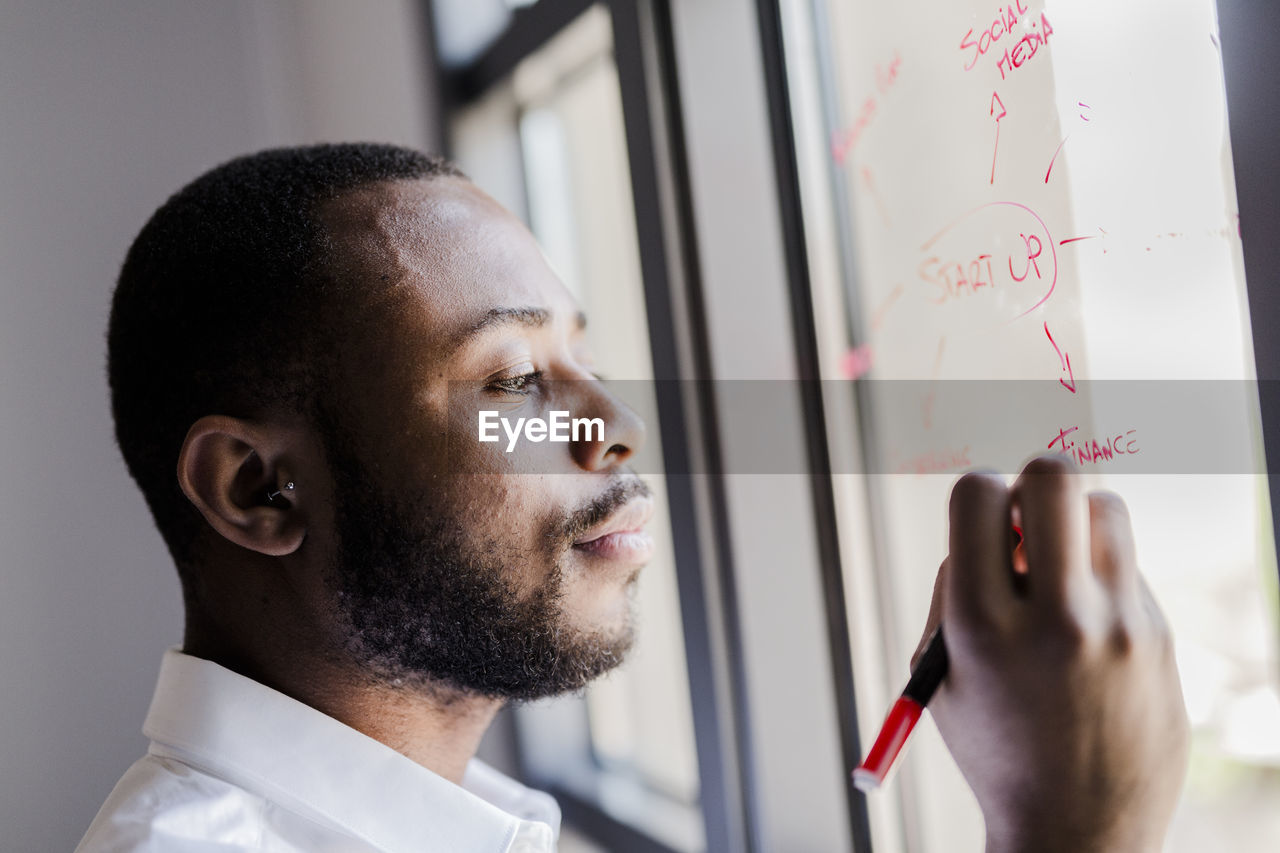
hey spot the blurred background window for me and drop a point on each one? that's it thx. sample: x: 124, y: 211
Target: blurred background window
x: 464, y: 29
x: 548, y: 140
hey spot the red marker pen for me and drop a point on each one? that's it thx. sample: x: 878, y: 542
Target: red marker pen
x: 904, y: 715
x: 925, y: 678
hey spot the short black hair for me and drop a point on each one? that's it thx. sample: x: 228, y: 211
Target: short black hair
x: 223, y: 303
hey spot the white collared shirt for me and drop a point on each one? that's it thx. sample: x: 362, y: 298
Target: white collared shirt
x: 234, y: 765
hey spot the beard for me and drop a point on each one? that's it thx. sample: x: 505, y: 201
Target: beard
x: 428, y: 601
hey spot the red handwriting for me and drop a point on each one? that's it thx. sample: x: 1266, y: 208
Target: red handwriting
x: 877, y: 319
x: 871, y: 188
x: 958, y: 276
x: 1065, y: 361
x: 856, y: 363
x: 1033, y: 258
x: 953, y: 279
x: 887, y: 75
x: 1091, y: 452
x: 934, y: 462
x: 1055, y: 157
x: 1022, y: 52
x: 995, y: 99
x: 845, y: 140
x: 1006, y: 20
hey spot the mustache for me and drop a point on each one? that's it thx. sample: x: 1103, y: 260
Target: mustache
x: 619, y: 493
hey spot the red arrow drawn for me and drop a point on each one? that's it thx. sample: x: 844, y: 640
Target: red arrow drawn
x: 1049, y: 171
x: 1065, y: 361
x: 1072, y: 386
x: 995, y: 99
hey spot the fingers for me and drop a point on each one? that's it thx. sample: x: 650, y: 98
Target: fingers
x: 1050, y: 499
x: 1149, y: 605
x: 979, y: 588
x: 1111, y: 547
x: 935, y: 614
x: 1073, y: 549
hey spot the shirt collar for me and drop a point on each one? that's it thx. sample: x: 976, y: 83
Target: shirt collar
x: 233, y: 727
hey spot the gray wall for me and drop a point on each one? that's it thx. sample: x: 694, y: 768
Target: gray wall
x: 106, y: 109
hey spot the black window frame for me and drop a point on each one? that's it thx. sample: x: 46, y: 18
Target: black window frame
x: 644, y: 54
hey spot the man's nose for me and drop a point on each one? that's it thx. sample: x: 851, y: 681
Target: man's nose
x: 623, y: 434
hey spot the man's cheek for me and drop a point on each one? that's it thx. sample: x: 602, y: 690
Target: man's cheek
x: 499, y: 506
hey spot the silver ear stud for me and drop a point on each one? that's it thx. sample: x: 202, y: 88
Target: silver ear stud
x: 287, y: 487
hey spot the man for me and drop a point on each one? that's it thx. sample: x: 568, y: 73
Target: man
x: 300, y: 342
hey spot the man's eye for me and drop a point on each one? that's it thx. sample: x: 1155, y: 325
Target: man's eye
x: 521, y: 384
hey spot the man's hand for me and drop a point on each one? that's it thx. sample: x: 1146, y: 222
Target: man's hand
x: 1062, y: 704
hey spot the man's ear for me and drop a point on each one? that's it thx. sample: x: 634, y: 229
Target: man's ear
x: 227, y: 468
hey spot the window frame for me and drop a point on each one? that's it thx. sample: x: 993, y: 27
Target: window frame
x: 687, y: 425
x: 1253, y: 116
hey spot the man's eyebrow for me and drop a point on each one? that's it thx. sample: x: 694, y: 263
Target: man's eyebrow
x: 528, y: 316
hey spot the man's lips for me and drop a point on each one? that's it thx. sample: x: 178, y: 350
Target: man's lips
x: 621, y: 536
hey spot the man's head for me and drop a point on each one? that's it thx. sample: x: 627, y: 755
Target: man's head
x: 334, y: 316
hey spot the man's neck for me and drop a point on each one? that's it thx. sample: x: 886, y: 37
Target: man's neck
x: 439, y: 731
x: 434, y: 726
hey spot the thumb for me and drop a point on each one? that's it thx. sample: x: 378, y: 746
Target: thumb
x: 935, y: 612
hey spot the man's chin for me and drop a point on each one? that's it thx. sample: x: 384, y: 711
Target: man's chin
x: 576, y: 660
x: 584, y: 660
x: 608, y: 622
